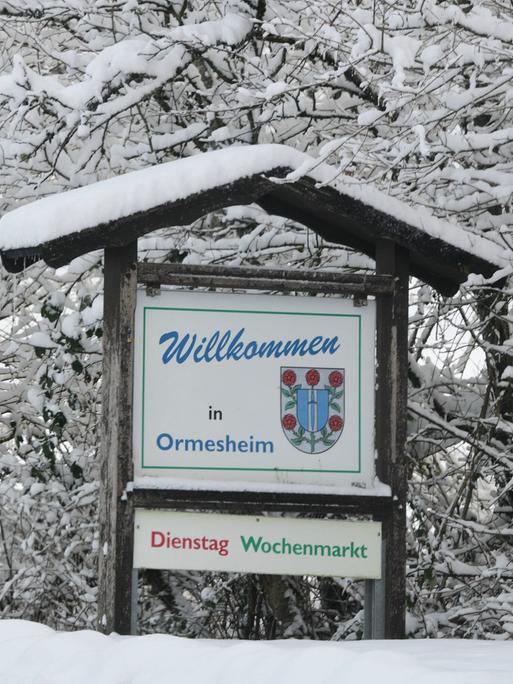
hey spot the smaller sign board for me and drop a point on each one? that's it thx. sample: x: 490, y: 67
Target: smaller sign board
x: 242, y: 543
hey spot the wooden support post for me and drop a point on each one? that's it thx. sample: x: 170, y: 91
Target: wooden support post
x: 391, y: 408
x: 116, y: 508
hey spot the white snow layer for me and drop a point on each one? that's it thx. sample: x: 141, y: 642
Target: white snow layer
x: 31, y: 653
x: 86, y: 207
x: 159, y: 57
x: 145, y: 482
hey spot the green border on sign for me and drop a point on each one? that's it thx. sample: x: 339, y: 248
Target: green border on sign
x: 243, y: 311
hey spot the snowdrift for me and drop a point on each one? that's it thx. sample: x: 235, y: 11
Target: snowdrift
x: 34, y: 654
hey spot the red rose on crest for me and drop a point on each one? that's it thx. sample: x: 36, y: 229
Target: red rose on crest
x: 335, y: 423
x: 288, y: 378
x: 288, y: 421
x: 312, y: 377
x: 335, y: 378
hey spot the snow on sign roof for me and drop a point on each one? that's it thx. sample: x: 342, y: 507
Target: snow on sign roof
x: 282, y: 180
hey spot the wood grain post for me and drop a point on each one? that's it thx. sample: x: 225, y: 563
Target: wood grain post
x: 391, y: 408
x: 116, y: 508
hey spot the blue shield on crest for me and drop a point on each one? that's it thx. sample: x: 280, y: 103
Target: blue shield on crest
x: 312, y: 407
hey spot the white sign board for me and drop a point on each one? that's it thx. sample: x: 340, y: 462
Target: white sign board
x: 258, y: 388
x: 240, y: 543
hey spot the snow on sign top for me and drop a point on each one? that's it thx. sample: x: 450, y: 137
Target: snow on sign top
x: 92, y: 205
x: 69, y: 213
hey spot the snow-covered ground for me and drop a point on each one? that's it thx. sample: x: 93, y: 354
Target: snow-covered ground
x: 34, y: 654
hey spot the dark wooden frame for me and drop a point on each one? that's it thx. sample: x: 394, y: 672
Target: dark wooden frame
x: 391, y: 424
x: 118, y: 501
x: 116, y: 506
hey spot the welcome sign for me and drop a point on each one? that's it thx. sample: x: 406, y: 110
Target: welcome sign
x: 263, y: 388
x: 239, y: 543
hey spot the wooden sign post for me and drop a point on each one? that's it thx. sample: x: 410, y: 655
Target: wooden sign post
x: 116, y: 506
x: 119, y: 499
x: 385, y: 600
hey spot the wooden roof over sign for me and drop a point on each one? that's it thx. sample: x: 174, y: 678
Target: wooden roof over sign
x: 116, y: 211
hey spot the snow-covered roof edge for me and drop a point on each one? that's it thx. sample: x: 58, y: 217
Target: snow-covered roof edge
x: 62, y: 226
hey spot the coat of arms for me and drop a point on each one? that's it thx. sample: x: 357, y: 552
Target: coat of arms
x: 312, y: 407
